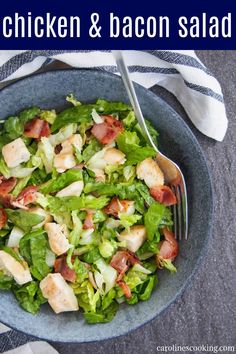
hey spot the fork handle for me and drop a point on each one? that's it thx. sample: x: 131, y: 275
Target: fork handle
x: 132, y: 94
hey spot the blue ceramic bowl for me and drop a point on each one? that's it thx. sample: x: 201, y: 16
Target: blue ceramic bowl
x: 48, y: 90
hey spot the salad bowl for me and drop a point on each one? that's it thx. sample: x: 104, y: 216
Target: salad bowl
x: 48, y: 91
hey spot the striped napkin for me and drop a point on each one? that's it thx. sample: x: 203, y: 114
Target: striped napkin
x: 180, y: 72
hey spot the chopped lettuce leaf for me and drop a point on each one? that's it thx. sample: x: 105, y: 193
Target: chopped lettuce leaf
x: 107, y: 248
x: 147, y: 288
x: 78, y: 114
x: 63, y: 134
x: 63, y: 180
x: 24, y: 219
x: 156, y: 216
x: 46, y: 152
x: 71, y: 98
x: 107, y: 276
x: 6, y: 281
x: 86, y: 296
x: 166, y: 263
x: 49, y: 116
x: 128, y: 143
x: 4, y: 170
x: 102, y: 316
x: 91, y: 149
x: 29, y: 296
x: 128, y: 220
x: 33, y: 247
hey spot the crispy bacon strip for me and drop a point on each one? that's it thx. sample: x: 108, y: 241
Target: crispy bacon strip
x: 26, y: 196
x: 122, y: 260
x: 169, y: 247
x: 116, y: 206
x: 88, y: 222
x: 163, y: 195
x: 125, y: 288
x: 107, y: 131
x: 36, y: 128
x: 3, y: 218
x: 7, y: 185
x: 60, y: 266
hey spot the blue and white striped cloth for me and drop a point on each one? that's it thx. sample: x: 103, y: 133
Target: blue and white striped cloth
x: 180, y: 72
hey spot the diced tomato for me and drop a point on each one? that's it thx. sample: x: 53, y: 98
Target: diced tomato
x: 27, y: 195
x: 122, y: 260
x: 125, y: 288
x: 3, y: 218
x: 60, y: 266
x: 163, y: 195
x: 107, y: 131
x: 169, y: 247
x: 36, y: 128
x: 88, y: 222
x: 7, y: 185
x: 116, y: 206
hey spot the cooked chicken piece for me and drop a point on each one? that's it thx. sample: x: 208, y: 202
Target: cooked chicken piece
x: 114, y: 157
x: 99, y: 175
x: 74, y: 140
x: 65, y: 159
x: 57, y: 238
x: 74, y: 189
x: 14, y: 268
x: 149, y: 171
x: 134, y: 238
x: 59, y: 294
x: 63, y: 162
x: 15, y: 153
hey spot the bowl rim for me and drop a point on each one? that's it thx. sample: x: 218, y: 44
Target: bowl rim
x: 203, y: 252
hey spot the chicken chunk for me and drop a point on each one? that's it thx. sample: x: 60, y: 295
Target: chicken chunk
x: 14, y: 268
x: 149, y: 171
x: 63, y: 162
x: 65, y: 159
x: 134, y: 238
x: 59, y: 294
x: 15, y: 153
x: 58, y: 242
x: 74, y: 189
x: 114, y: 157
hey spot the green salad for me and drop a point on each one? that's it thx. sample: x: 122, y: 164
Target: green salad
x: 85, y: 218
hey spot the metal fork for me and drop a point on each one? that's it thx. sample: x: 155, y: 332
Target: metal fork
x: 173, y: 175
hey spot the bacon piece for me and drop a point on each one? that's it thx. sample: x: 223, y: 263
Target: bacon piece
x: 26, y: 196
x: 117, y: 206
x: 7, y: 185
x: 3, y: 218
x: 45, y: 130
x: 88, y: 222
x: 169, y: 247
x: 60, y: 266
x: 6, y: 200
x: 107, y: 131
x: 122, y: 260
x: 36, y: 128
x: 163, y: 195
x: 125, y: 288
